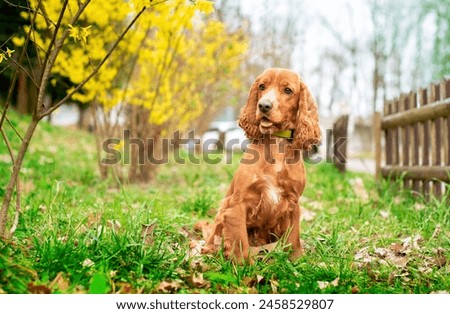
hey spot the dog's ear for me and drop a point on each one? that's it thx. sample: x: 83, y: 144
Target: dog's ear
x: 247, y: 117
x: 307, y: 131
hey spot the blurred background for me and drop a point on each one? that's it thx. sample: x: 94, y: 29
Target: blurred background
x: 353, y: 55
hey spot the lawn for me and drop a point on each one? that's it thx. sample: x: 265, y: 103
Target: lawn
x: 80, y: 234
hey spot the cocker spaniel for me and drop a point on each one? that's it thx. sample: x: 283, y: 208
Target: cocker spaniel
x: 261, y: 206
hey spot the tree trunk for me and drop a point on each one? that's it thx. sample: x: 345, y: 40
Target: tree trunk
x: 83, y: 120
x: 14, y: 176
x: 22, y: 93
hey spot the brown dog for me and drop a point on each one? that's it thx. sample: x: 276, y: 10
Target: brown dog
x: 261, y: 205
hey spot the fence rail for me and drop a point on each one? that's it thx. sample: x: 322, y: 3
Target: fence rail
x: 415, y: 128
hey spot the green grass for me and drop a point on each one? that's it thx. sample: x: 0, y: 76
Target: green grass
x: 78, y: 233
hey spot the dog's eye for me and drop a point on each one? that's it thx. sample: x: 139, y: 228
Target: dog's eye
x: 287, y: 90
x: 262, y: 87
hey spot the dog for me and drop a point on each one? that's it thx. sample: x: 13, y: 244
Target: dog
x: 261, y: 206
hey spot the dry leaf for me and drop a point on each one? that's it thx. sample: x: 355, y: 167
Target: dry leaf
x: 399, y: 261
x: 93, y: 219
x: 124, y: 288
x: 335, y: 282
x: 323, y: 284
x: 114, y: 224
x: 412, y: 242
x: 259, y: 278
x: 196, y: 247
x: 60, y: 282
x: 384, y: 214
x: 274, y: 285
x: 397, y: 248
x: 364, y: 256
x: 440, y: 261
x: 38, y: 289
x: 198, y: 281
x: 168, y: 287
x: 436, y: 232
x: 88, y: 263
x: 381, y: 252
x: 418, y: 206
x: 267, y: 248
x: 147, y: 233
x: 326, y: 284
x: 307, y: 215
x: 355, y: 290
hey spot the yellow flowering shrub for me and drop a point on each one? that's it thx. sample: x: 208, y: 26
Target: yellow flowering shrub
x: 172, y: 64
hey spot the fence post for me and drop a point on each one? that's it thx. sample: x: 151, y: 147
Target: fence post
x: 377, y: 142
x: 340, y: 142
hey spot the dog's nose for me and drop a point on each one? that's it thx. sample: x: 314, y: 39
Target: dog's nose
x: 264, y: 105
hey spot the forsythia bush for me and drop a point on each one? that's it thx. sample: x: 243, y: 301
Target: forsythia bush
x: 173, y: 64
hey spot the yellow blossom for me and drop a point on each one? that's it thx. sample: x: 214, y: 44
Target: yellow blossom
x: 9, y: 52
x: 205, y: 6
x: 79, y: 33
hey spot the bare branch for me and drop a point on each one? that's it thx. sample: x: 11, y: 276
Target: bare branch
x: 8, y: 145
x: 20, y: 66
x: 55, y: 33
x: 94, y: 72
x: 51, y: 60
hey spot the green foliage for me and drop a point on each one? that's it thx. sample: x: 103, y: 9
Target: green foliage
x: 99, y: 284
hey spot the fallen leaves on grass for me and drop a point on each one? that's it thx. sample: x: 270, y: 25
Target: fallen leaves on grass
x: 436, y: 232
x: 267, y: 248
x: 114, y: 224
x: 168, y: 286
x: 397, y: 254
x: 88, y: 263
x: 123, y: 288
x: 325, y: 284
x: 38, y: 289
x: 147, y: 234
x: 307, y: 215
x: 384, y: 214
x: 407, y: 251
x: 198, y: 281
x: 195, y: 247
x: 93, y: 219
x: 60, y: 282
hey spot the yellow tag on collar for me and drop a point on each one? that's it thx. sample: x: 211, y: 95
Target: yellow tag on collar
x: 283, y: 134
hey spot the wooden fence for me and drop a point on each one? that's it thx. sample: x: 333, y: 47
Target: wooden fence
x: 415, y: 128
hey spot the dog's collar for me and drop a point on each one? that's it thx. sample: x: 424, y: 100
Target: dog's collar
x: 287, y: 134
